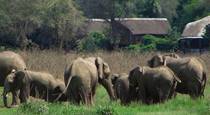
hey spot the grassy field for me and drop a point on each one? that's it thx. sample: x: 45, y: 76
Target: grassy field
x: 54, y: 62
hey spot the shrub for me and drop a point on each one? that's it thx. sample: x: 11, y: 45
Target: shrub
x: 207, y: 32
x: 163, y: 44
x: 151, y: 43
x: 93, y: 42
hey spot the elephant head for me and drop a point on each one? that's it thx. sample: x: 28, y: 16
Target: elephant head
x: 104, y: 76
x: 134, y: 80
x: 15, y: 81
x: 134, y: 76
x: 114, y: 78
x: 157, y: 60
x: 59, y: 91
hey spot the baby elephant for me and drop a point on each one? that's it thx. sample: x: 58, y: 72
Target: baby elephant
x: 30, y: 83
x: 121, y: 87
x: 154, y: 84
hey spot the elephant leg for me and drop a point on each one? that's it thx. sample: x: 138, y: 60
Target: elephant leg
x: 86, y: 96
x: 74, y: 96
x: 142, y: 94
x: 172, y: 93
x: 24, y: 94
x: 193, y: 91
x: 92, y: 98
x: 15, y: 98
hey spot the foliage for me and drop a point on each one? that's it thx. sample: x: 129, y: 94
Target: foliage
x: 94, y: 41
x: 19, y: 18
x: 151, y: 43
x: 190, y: 10
x: 207, y: 32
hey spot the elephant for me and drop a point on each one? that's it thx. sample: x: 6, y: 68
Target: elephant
x: 82, y: 76
x: 121, y: 87
x: 8, y: 61
x: 190, y: 70
x: 31, y: 83
x: 155, y: 85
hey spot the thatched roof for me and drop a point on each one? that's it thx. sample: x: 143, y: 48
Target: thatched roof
x: 96, y: 25
x: 154, y: 26
x: 196, y: 28
x: 137, y: 26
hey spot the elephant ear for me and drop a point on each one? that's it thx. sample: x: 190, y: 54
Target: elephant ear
x: 106, y: 69
x: 133, y: 76
x: 99, y: 65
x: 155, y: 61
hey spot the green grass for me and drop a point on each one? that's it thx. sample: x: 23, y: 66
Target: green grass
x: 181, y: 105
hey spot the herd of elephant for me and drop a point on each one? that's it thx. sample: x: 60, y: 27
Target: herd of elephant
x: 164, y: 76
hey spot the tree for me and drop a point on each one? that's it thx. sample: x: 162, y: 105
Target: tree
x: 21, y: 17
x: 190, y: 10
x: 110, y: 10
x: 64, y: 17
x: 207, y: 32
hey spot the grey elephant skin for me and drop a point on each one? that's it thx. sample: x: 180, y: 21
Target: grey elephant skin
x: 81, y: 79
x: 30, y: 83
x: 154, y: 84
x: 190, y: 70
x: 121, y: 87
x: 8, y: 61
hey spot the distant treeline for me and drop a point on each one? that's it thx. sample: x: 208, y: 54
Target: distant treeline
x: 60, y: 23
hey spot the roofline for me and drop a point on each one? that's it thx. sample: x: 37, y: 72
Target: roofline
x: 193, y: 37
x: 122, y: 19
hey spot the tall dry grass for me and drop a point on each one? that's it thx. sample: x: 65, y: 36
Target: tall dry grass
x: 55, y: 62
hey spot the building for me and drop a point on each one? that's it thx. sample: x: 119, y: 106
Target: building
x: 96, y: 25
x: 131, y: 30
x: 192, y: 39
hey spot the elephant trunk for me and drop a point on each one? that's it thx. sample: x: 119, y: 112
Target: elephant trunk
x: 108, y: 86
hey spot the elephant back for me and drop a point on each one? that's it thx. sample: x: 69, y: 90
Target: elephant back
x: 9, y: 61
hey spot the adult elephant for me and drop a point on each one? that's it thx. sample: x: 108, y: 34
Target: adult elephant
x: 82, y: 76
x: 190, y: 70
x: 154, y: 84
x: 8, y: 61
x: 30, y: 83
x: 121, y: 87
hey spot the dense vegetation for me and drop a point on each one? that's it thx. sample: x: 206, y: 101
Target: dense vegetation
x: 59, y: 23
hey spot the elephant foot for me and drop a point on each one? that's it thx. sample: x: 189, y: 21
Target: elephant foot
x: 13, y: 106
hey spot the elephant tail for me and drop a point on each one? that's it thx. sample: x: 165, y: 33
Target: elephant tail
x: 64, y: 91
x: 203, y: 83
x: 177, y: 79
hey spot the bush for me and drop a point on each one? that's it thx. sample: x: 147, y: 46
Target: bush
x: 163, y: 44
x: 207, y: 32
x: 93, y: 42
x: 151, y: 43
